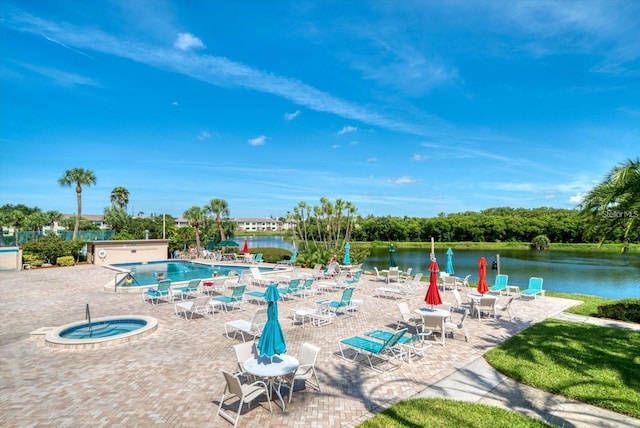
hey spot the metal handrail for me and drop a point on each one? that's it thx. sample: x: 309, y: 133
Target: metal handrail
x: 87, y: 316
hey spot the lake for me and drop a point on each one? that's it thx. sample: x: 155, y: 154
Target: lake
x: 609, y: 275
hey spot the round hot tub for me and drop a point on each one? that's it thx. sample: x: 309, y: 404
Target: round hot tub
x: 106, y: 331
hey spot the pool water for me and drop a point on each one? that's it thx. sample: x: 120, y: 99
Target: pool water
x: 150, y: 273
x: 108, y: 328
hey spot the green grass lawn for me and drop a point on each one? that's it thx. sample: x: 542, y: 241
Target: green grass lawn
x: 596, y: 365
x: 589, y: 305
x: 429, y: 412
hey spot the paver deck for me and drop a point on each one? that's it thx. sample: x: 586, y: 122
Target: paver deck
x: 172, y: 378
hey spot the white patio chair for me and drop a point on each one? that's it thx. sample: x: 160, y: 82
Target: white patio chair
x: 306, y: 370
x: 452, y: 327
x: 245, y: 392
x: 250, y: 328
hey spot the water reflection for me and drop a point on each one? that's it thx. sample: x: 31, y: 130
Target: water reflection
x: 603, y: 274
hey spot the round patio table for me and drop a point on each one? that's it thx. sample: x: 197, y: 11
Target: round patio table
x: 270, y: 368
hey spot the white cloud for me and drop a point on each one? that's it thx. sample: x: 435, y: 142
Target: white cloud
x: 187, y: 41
x: 403, y: 180
x: 372, y: 160
x: 335, y: 146
x: 203, y: 135
x: 347, y: 129
x: 417, y: 157
x: 291, y: 116
x: 175, y: 104
x: 577, y: 198
x: 258, y: 141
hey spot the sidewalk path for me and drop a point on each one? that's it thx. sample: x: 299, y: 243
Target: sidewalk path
x: 480, y: 383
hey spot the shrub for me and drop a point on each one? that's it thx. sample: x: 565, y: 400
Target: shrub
x: 32, y: 259
x: 65, y: 261
x: 623, y: 310
x: 541, y: 242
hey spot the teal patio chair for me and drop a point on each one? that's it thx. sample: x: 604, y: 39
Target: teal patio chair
x: 384, y: 350
x: 535, y: 287
x: 407, y: 345
x: 290, y: 261
x: 345, y: 301
x: 355, y: 278
x: 161, y: 292
x: 191, y: 289
x: 233, y: 300
x: 500, y: 284
x: 291, y: 289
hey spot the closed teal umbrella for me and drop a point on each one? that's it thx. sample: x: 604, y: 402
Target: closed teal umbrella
x: 272, y: 338
x: 449, y: 267
x: 347, y: 256
x: 392, y: 259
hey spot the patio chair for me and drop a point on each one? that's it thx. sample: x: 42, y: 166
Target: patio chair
x: 407, y: 317
x: 333, y: 306
x: 354, y: 279
x: 257, y: 259
x: 385, y: 351
x: 306, y: 288
x: 506, y: 308
x: 244, y: 351
x: 246, y: 393
x: 486, y: 305
x: 232, y: 300
x: 306, y: 371
x: 337, y: 283
x: 448, y: 282
x: 534, y: 288
x: 459, y: 303
x: 191, y: 289
x: 407, y: 345
x: 257, y: 278
x: 250, y: 328
x: 393, y: 274
x: 464, y: 283
x: 161, y: 292
x: 199, y: 306
x: 500, y: 284
x: 378, y: 276
x: 290, y: 290
x: 290, y: 261
x: 406, y: 275
x: 452, y: 327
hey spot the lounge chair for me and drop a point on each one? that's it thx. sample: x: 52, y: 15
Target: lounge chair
x: 257, y: 278
x: 251, y: 328
x: 232, y: 300
x: 354, y: 279
x: 199, y: 306
x: 333, y: 306
x: 500, y: 284
x: 305, y: 290
x: 290, y: 261
x: 406, y: 275
x: 191, y: 289
x: 257, y: 259
x: 244, y: 392
x: 161, y: 292
x: 385, y: 351
x: 339, y: 282
x: 292, y: 288
x: 407, y: 345
x: 535, y: 287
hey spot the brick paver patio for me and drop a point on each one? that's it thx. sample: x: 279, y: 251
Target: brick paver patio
x: 172, y: 377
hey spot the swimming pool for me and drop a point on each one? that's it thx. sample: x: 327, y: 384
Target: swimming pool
x: 145, y: 274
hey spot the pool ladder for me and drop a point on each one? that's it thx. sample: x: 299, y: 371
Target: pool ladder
x: 87, y: 316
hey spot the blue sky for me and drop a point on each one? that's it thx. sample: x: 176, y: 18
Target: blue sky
x: 402, y: 108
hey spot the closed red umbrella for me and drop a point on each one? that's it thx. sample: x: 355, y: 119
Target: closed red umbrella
x: 245, y: 249
x: 483, y: 288
x: 433, y: 294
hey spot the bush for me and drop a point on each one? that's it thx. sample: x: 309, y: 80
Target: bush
x: 541, y: 242
x: 65, y: 261
x: 32, y: 259
x: 623, y: 310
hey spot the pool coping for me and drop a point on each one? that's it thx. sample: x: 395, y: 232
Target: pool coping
x: 52, y: 334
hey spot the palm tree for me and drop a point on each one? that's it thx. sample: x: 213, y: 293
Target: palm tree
x: 120, y: 197
x: 220, y: 208
x: 195, y: 216
x: 616, y: 201
x: 79, y: 177
x: 53, y: 216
